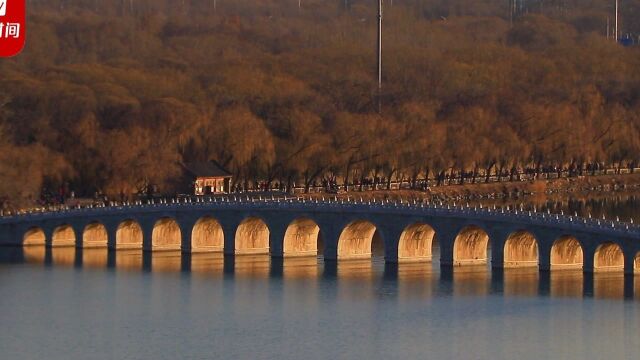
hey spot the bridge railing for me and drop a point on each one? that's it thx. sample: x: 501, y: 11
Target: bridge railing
x: 418, y: 207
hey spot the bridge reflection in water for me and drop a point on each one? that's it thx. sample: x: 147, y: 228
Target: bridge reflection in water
x: 407, y: 280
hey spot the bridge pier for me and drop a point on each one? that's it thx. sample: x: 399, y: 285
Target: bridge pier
x: 229, y: 235
x: 447, y: 239
x: 276, y: 239
x: 544, y: 255
x: 112, y: 233
x: 185, y: 240
x: 588, y: 257
x: 391, y: 235
x: 330, y: 237
x: 629, y: 262
x: 497, y: 241
x: 48, y: 236
x: 547, y: 238
x: 186, y: 223
x: 78, y: 231
x: 147, y: 235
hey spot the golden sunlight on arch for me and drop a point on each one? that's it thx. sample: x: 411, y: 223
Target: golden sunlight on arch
x: 415, y: 243
x: 471, y: 246
x: 94, y: 235
x: 129, y: 235
x: 566, y: 253
x: 521, y: 250
x: 63, y: 235
x: 355, y: 240
x: 207, y: 236
x: 34, y: 236
x: 166, y: 235
x: 301, y: 238
x: 252, y: 237
x: 608, y: 258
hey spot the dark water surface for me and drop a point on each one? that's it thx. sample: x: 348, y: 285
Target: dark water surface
x: 69, y: 304
x: 59, y: 305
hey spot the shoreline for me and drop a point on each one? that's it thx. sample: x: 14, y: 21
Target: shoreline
x: 544, y: 188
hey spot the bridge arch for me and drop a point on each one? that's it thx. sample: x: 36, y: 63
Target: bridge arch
x: 566, y: 253
x: 63, y: 235
x: 521, y: 250
x: 207, y: 235
x: 301, y: 238
x: 356, y: 239
x: 252, y: 237
x: 94, y: 235
x: 166, y: 235
x: 416, y: 242
x: 129, y: 235
x: 608, y: 258
x: 471, y: 246
x: 34, y: 236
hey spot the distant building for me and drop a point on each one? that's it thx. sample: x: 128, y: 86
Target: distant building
x: 208, y: 177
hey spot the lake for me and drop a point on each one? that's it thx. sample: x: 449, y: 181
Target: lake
x: 64, y: 303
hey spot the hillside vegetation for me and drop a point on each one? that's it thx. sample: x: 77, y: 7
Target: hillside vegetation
x: 113, y: 95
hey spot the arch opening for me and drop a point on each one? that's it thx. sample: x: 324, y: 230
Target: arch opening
x: 34, y: 236
x: 129, y: 235
x: 207, y: 236
x: 415, y: 243
x: 636, y: 264
x: 166, y: 235
x: 566, y: 253
x: 355, y: 240
x: 301, y: 238
x: 471, y: 247
x: 94, y: 235
x: 521, y: 250
x: 252, y: 237
x: 608, y: 258
x: 63, y: 235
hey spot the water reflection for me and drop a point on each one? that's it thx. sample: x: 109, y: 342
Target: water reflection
x: 567, y: 283
x: 95, y: 257
x: 248, y: 266
x: 471, y: 281
x: 298, y: 268
x: 415, y: 281
x: 165, y: 261
x: 360, y: 270
x: 409, y: 281
x: 129, y: 259
x: 608, y: 285
x: 205, y: 263
x: 521, y: 282
x: 34, y: 254
x: 63, y: 256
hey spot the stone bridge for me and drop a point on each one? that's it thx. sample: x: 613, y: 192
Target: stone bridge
x: 340, y: 230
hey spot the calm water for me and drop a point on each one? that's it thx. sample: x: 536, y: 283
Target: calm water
x: 64, y: 304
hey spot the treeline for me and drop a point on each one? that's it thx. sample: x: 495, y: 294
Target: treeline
x: 112, y: 96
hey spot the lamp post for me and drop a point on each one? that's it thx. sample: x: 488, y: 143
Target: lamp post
x: 379, y: 51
